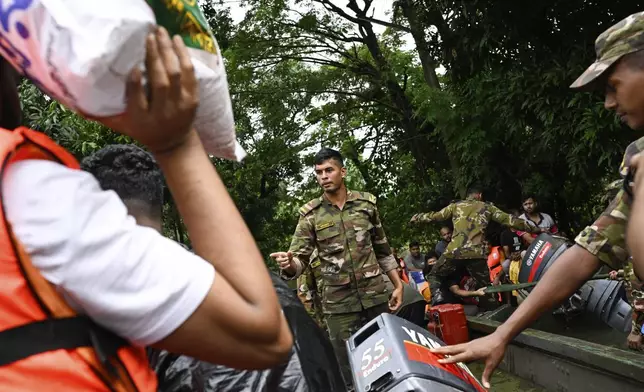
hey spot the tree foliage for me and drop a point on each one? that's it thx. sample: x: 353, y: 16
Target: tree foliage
x: 310, y: 73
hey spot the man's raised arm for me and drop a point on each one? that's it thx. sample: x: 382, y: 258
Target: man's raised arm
x: 444, y: 214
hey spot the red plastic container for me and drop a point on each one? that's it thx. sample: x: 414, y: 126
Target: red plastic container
x: 448, y: 323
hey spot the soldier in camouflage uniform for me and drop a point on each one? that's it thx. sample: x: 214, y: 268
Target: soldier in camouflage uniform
x: 619, y: 72
x: 344, y: 227
x: 309, y: 291
x: 468, y: 248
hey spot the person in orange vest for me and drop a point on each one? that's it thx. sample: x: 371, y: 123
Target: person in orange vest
x: 494, y: 264
x: 85, y: 288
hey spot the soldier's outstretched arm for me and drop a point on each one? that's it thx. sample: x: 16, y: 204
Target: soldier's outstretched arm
x: 444, y: 214
x: 603, y: 241
x: 565, y: 276
x: 293, y: 262
x: 508, y: 220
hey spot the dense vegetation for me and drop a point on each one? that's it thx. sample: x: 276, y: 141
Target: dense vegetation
x: 305, y: 74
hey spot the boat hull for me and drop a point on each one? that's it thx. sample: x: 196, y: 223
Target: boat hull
x: 557, y: 362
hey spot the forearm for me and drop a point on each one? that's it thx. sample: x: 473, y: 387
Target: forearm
x: 561, y: 280
x: 520, y: 224
x: 395, y: 278
x: 217, y: 230
x: 425, y: 217
x: 462, y: 293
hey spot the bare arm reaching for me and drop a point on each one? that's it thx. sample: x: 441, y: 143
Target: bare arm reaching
x: 237, y: 324
x: 565, y: 276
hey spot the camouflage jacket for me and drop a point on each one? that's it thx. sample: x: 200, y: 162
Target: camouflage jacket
x: 353, y: 251
x: 605, y: 238
x: 635, y: 294
x: 470, y: 218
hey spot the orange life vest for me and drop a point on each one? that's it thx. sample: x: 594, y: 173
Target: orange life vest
x: 44, y: 343
x: 403, y: 271
x: 494, y: 260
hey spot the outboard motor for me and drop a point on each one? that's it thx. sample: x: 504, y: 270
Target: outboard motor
x: 391, y: 354
x: 599, y: 297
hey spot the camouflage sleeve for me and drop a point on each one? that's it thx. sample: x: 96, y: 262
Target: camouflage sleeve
x: 302, y: 244
x: 605, y: 238
x: 508, y: 220
x: 444, y: 214
x: 381, y: 246
x: 635, y: 296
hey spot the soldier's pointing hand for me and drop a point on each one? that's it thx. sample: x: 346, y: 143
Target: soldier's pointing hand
x: 285, y: 261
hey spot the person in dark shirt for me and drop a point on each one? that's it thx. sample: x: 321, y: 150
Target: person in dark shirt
x: 512, y: 247
x: 446, y: 235
x: 461, y: 288
x: 430, y: 259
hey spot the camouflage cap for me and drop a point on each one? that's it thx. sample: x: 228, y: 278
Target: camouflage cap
x: 623, y: 38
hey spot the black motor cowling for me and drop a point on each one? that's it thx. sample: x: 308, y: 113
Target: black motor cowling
x: 543, y: 251
x: 602, y: 298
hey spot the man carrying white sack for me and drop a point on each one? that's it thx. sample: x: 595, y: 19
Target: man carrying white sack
x: 85, y: 289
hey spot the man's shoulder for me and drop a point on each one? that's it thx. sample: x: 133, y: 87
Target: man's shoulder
x: 548, y: 218
x: 364, y: 196
x: 310, y: 206
x: 634, y: 148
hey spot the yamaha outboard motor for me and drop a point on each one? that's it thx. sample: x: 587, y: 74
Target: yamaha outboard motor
x: 599, y: 297
x: 391, y: 354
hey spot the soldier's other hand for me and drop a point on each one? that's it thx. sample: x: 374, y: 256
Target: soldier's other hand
x: 414, y: 218
x: 490, y: 349
x: 612, y: 275
x: 284, y: 260
x: 395, y: 301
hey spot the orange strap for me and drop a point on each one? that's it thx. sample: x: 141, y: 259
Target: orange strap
x: 54, y: 304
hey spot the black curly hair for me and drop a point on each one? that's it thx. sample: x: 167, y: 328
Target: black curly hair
x: 328, y: 153
x: 131, y: 172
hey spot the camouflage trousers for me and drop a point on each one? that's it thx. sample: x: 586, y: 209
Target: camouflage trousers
x: 340, y: 328
x: 477, y: 268
x: 635, y: 294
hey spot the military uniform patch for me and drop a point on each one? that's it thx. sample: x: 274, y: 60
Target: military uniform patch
x: 324, y: 225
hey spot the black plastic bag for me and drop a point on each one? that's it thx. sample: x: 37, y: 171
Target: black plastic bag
x: 312, y: 366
